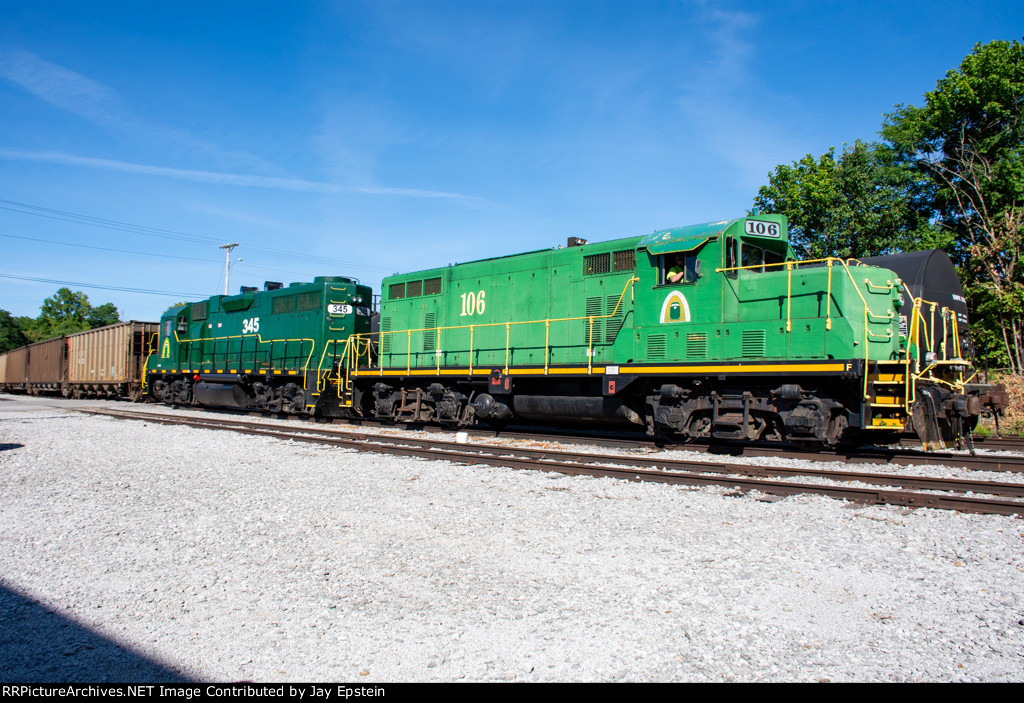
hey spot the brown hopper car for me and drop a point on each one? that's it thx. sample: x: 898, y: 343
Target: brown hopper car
x: 46, y: 365
x: 107, y: 361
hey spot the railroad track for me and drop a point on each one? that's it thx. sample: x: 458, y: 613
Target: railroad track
x: 1015, y: 444
x: 899, y: 456
x: 914, y: 491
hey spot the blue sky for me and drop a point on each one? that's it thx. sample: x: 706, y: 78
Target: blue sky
x: 365, y: 138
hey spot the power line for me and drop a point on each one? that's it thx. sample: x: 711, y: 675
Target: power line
x: 104, y: 224
x: 169, y: 294
x: 119, y: 251
x: 247, y: 267
x: 64, y: 216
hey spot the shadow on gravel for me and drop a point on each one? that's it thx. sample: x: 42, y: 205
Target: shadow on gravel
x: 5, y: 447
x: 38, y: 645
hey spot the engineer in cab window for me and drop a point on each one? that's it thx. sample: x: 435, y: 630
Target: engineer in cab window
x: 683, y: 271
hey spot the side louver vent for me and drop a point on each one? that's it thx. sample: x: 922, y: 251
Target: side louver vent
x: 614, y: 323
x: 385, y: 339
x: 753, y: 343
x: 697, y: 345
x: 595, y: 308
x: 430, y: 336
x: 657, y: 345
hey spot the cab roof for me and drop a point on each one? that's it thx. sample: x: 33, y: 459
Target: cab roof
x: 688, y: 238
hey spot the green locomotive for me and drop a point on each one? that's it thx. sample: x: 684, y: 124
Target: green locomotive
x: 267, y: 350
x: 706, y: 331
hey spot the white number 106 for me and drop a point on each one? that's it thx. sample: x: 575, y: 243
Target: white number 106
x: 473, y: 304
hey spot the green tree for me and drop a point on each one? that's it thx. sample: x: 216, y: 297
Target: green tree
x: 103, y: 315
x: 67, y: 312
x: 11, y: 334
x: 863, y: 204
x: 968, y: 138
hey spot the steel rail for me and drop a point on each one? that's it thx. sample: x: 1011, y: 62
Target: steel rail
x: 897, y: 456
x: 632, y: 468
x: 863, y: 455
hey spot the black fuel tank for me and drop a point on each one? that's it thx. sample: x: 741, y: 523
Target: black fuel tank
x: 222, y: 395
x: 931, y: 276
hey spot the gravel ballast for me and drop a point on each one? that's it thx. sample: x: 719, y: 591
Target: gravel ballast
x: 132, y: 551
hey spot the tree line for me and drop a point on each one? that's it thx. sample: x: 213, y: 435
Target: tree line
x: 65, y: 312
x: 948, y: 174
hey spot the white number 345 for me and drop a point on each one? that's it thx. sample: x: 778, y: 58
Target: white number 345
x: 251, y: 325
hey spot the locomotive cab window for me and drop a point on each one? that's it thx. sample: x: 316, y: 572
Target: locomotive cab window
x: 753, y: 256
x: 680, y: 268
x: 771, y: 257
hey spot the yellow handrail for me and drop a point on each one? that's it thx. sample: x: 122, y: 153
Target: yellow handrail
x: 829, y: 262
x: 145, y: 364
x: 508, y: 327
x: 872, y: 288
x: 828, y: 299
x: 789, y: 294
x: 259, y: 340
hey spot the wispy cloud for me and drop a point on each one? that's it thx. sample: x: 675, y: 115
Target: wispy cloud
x: 100, y: 105
x: 60, y: 86
x: 292, y: 184
x: 725, y: 103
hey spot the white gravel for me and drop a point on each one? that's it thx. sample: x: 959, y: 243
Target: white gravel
x: 133, y: 551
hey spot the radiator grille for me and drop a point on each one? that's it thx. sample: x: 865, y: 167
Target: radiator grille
x: 597, y: 263
x: 283, y: 304
x: 308, y: 301
x: 624, y: 260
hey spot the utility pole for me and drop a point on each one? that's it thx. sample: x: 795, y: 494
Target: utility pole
x: 227, y: 262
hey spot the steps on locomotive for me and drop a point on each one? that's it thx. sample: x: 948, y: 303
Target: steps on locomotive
x: 885, y: 409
